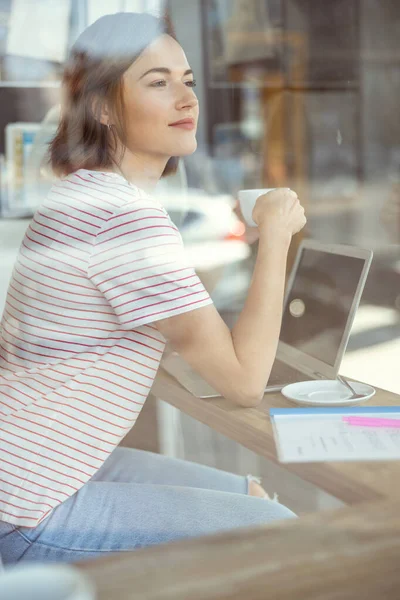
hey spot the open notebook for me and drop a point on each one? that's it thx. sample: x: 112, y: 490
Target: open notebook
x: 337, y: 434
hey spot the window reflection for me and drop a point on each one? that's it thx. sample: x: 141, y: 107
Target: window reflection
x: 293, y: 93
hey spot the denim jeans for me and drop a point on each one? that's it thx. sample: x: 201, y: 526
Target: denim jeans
x: 137, y: 499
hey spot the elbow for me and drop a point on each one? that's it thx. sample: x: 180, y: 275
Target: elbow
x: 250, y: 398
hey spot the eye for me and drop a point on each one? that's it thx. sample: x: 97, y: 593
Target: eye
x: 160, y: 83
x: 191, y: 83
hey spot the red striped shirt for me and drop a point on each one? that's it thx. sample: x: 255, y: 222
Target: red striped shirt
x: 99, y: 263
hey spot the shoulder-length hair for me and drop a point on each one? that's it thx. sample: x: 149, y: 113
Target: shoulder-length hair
x: 94, y: 74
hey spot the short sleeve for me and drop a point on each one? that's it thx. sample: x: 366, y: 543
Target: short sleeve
x: 138, y: 264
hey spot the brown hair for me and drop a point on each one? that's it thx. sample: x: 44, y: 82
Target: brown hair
x: 93, y: 73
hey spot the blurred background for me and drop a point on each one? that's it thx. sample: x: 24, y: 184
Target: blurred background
x: 293, y: 93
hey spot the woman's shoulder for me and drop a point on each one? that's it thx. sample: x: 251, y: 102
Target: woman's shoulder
x: 105, y: 183
x: 106, y: 197
x: 102, y: 190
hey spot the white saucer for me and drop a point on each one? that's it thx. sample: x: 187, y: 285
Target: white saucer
x: 326, y: 392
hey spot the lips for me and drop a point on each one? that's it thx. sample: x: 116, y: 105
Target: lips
x: 184, y: 124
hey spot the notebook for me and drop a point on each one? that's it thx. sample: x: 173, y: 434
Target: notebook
x: 336, y: 434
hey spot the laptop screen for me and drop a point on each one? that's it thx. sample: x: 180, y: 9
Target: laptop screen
x: 319, y: 303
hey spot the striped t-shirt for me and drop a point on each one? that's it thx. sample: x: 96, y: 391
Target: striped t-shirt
x: 100, y: 262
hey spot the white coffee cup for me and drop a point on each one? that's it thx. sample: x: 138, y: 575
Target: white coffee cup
x: 45, y: 582
x: 247, y: 201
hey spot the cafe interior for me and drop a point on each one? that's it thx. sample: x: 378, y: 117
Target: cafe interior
x: 299, y: 94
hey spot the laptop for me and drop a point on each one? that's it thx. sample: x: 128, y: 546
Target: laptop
x: 322, y: 296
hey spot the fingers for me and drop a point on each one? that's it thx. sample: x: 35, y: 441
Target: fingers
x: 297, y: 208
x: 282, y: 206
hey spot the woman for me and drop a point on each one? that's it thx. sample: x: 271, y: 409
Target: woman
x: 99, y: 285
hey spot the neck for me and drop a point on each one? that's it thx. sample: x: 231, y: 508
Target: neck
x: 142, y: 171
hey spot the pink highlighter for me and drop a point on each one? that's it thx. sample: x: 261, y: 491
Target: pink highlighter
x: 372, y: 422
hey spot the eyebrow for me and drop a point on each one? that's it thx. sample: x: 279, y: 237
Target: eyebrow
x: 164, y: 70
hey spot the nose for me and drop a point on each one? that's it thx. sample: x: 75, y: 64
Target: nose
x: 186, y: 98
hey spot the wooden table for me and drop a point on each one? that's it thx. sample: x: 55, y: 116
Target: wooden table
x: 348, y: 554
x: 350, y: 482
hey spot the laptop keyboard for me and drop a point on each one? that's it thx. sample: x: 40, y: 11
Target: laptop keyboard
x: 283, y: 374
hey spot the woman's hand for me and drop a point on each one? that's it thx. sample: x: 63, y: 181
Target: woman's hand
x: 251, y: 234
x: 279, y: 211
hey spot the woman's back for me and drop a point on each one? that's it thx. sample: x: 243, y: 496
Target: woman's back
x: 99, y: 263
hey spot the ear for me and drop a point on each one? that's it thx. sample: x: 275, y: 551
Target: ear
x: 100, y: 110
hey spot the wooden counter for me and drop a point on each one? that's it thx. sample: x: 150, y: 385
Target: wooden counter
x: 349, y: 482
x: 348, y: 554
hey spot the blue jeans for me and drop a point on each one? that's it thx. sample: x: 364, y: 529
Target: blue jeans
x: 137, y: 499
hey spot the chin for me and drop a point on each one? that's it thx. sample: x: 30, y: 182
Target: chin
x: 186, y: 149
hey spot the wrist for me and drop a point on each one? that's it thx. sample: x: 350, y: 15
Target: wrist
x: 275, y: 238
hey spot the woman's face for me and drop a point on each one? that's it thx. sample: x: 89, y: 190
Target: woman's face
x: 158, y: 92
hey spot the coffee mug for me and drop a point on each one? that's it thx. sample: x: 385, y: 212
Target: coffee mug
x: 247, y: 201
x: 45, y: 582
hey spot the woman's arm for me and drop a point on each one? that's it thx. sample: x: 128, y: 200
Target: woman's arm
x: 237, y: 363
